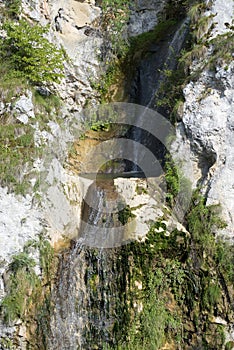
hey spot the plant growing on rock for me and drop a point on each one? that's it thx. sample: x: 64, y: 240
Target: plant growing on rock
x: 13, y: 7
x: 29, y: 54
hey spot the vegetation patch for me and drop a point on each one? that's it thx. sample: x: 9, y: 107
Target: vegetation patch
x: 28, y: 55
x: 125, y: 215
x: 11, y: 9
x: 17, y: 151
x: 28, y: 293
x: 184, y: 284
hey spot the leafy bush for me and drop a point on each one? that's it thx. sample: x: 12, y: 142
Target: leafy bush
x: 125, y: 214
x: 172, y: 178
x: 115, y: 17
x: 29, y: 54
x: 13, y: 8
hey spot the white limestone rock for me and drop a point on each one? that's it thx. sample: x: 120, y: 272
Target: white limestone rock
x: 19, y: 222
x: 24, y: 108
x: 206, y: 138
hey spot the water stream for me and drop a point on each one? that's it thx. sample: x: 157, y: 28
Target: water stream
x: 91, y: 296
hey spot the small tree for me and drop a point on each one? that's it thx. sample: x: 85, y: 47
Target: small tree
x: 29, y: 54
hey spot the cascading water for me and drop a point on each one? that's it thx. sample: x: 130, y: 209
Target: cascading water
x: 150, y: 76
x: 91, y: 296
x: 90, y: 299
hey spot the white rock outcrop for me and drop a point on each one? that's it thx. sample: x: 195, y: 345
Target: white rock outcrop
x: 206, y: 134
x: 24, y: 108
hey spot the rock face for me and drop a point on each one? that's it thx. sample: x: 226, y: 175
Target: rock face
x: 24, y: 108
x: 205, y: 135
x: 145, y: 15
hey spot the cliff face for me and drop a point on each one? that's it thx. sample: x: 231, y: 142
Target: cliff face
x: 205, y: 134
x: 54, y: 202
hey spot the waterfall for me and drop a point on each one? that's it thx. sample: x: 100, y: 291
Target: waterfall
x: 149, y: 78
x: 90, y: 299
x: 91, y: 296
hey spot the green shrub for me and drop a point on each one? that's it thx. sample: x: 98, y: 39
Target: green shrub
x: 203, y: 221
x: 29, y: 54
x: 24, y: 287
x: 125, y: 214
x: 172, y: 181
x: 115, y: 17
x: 20, y: 261
x: 22, y: 280
x: 13, y: 7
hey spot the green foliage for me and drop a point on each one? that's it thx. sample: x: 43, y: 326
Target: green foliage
x: 20, y: 261
x: 16, y: 150
x: 140, y: 44
x: 10, y: 88
x: 224, y: 259
x: 178, y: 186
x: 12, y: 8
x: 153, y: 321
x: 189, y: 271
x: 115, y: 16
x: 223, y: 47
x: 172, y: 178
x: 211, y: 294
x: 125, y: 214
x: 29, y: 54
x: 170, y: 97
x: 7, y: 343
x: 178, y: 9
x: 229, y: 345
x: 24, y: 287
x: 202, y: 222
x: 100, y: 126
x: 46, y: 258
x: 22, y: 280
x: 111, y: 77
